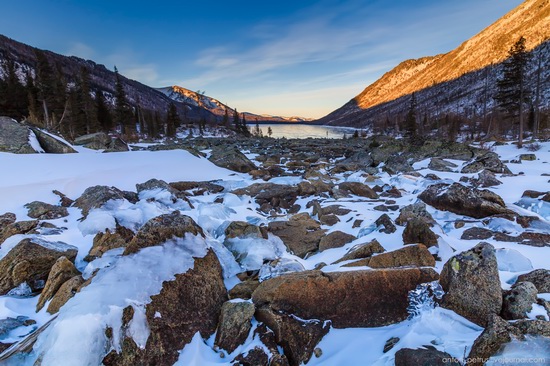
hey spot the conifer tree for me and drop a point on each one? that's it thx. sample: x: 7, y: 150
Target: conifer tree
x: 13, y: 94
x: 45, y: 85
x: 410, y: 121
x: 103, y: 113
x: 226, y: 118
x: 86, y: 102
x: 123, y: 110
x: 269, y: 131
x: 172, y: 120
x: 512, y: 93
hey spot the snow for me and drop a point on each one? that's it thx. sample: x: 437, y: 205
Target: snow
x: 77, y: 336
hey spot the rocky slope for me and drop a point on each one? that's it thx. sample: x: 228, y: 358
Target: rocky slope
x: 458, y: 80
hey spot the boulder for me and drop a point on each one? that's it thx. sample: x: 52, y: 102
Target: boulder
x: 341, y: 297
x: 358, y: 189
x: 441, y: 165
x: 539, y: 277
x: 95, y: 197
x: 189, y: 304
x: 30, y: 261
x: 487, y: 178
x: 45, y: 211
x: 7, y: 219
x: 297, y: 337
x: 472, y: 285
x: 489, y: 161
x: 271, y: 196
x: 301, y: 234
x: 411, y: 255
x: 416, y: 210
x: 418, y: 231
x: 116, y: 145
x: 96, y: 141
x: 361, y: 251
x: 386, y: 222
x: 14, y: 137
x: 255, y: 357
x: 67, y: 290
x: 232, y: 159
x: 335, y: 239
x: 462, y: 200
x: 62, y: 271
x: 197, y: 188
x: 519, y: 300
x: 242, y: 229
x: 162, y: 228
x: 20, y: 227
x: 424, y: 356
x: 244, y: 290
x: 153, y: 184
x: 51, y: 144
x: 234, y: 325
x: 108, y: 240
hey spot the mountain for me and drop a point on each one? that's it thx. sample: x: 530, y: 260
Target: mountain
x: 217, y: 108
x: 461, y: 81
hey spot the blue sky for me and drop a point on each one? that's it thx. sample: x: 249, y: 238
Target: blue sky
x: 282, y: 57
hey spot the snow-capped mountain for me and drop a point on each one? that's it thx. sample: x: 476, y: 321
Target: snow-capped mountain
x: 456, y: 81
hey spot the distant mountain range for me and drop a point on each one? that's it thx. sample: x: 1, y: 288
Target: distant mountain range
x: 461, y: 81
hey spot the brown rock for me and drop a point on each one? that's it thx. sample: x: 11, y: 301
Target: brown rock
x: 411, y: 255
x: 21, y: 227
x: 244, y: 290
x: 539, y: 277
x: 341, y: 296
x: 418, y: 231
x: 106, y: 241
x: 361, y: 251
x: 255, y: 357
x: 95, y: 197
x: 472, y: 285
x: 162, y: 228
x: 242, y: 229
x: 358, y: 189
x: 62, y: 271
x: 65, y: 293
x: 197, y: 188
x: 336, y: 239
x: 31, y: 261
x: 429, y: 357
x: 7, y: 219
x: 387, y: 223
x: 301, y: 234
x: 234, y: 325
x: 45, y: 211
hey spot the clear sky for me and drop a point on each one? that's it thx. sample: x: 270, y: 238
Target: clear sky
x: 284, y: 57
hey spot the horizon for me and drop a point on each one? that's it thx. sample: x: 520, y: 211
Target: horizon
x: 282, y: 59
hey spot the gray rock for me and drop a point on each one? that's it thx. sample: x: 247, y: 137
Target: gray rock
x: 232, y: 159
x: 45, y: 211
x: 234, y: 325
x: 387, y: 223
x: 519, y: 300
x: 489, y: 161
x: 487, y: 179
x: 96, y: 141
x: 441, y: 165
x: 539, y: 277
x: 97, y: 196
x: 52, y: 145
x: 116, y: 144
x: 472, y: 285
x: 152, y: 184
x: 416, y: 210
x: 418, y: 231
x: 14, y: 137
x: 424, y: 357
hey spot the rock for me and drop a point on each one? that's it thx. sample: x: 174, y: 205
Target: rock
x: 496, y: 333
x: 329, y: 220
x: 9, y: 324
x: 234, y: 325
x: 418, y: 231
x: 232, y: 159
x: 45, y: 211
x: 519, y: 300
x: 336, y: 239
x: 162, y: 228
x: 62, y: 271
x: 20, y: 227
x: 14, y: 137
x: 271, y: 196
x: 416, y: 210
x: 65, y: 201
x: 153, y: 184
x: 96, y: 141
x: 539, y: 277
x: 97, y: 196
x: 242, y: 229
x: 411, y: 255
x: 533, y: 327
x: 7, y: 219
x: 528, y: 157
x: 189, y: 304
x: 67, y: 290
x: 297, y: 337
x: 197, y: 188
x: 489, y: 161
x: 255, y: 357
x: 472, y: 285
x: 476, y: 233
x: 441, y: 165
x: 361, y: 251
x: 396, y: 164
x: 51, y: 144
x: 525, y: 238
x: 30, y: 261
x: 244, y: 290
x: 424, y: 356
x: 278, y: 267
x: 116, y: 144
x: 462, y: 200
x: 358, y: 189
x: 487, y: 179
x: 532, y: 194
x: 108, y: 240
x: 387, y: 223
x: 390, y: 343
x: 341, y: 297
x: 301, y: 234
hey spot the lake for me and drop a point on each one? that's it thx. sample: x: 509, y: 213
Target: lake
x: 303, y: 131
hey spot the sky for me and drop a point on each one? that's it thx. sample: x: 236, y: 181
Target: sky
x: 288, y: 58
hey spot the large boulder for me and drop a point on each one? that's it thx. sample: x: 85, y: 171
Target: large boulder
x: 14, y: 137
x: 15, y: 228
x: 367, y: 298
x: 66, y: 291
x: 418, y: 231
x: 301, y: 234
x: 358, y: 189
x: 232, y: 159
x: 162, y: 228
x: 472, y: 285
x: 416, y: 210
x: 424, y: 357
x: 335, y: 239
x: 362, y: 251
x: 51, y: 144
x: 518, y: 301
x: 441, y: 165
x: 234, y: 325
x: 62, y: 271
x: 96, y: 141
x: 31, y: 261
x: 95, y: 197
x: 189, y: 304
x: 271, y: 196
x: 411, y: 255
x: 462, y: 200
x: 489, y: 161
x: 108, y: 240
x: 539, y: 277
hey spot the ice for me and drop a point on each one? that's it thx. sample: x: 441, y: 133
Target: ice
x: 251, y: 253
x: 423, y: 298
x: 280, y: 267
x: 532, y: 351
x: 512, y: 261
x: 98, y: 220
x: 538, y: 311
x: 23, y: 290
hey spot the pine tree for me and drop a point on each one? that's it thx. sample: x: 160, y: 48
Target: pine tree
x: 410, y: 121
x: 269, y: 131
x: 45, y: 85
x: 32, y: 98
x: 86, y: 101
x: 172, y: 120
x: 226, y: 118
x: 13, y: 94
x: 236, y: 120
x: 512, y: 93
x: 103, y: 113
x: 123, y: 110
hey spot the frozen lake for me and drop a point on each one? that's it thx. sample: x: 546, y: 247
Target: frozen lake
x: 303, y: 131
